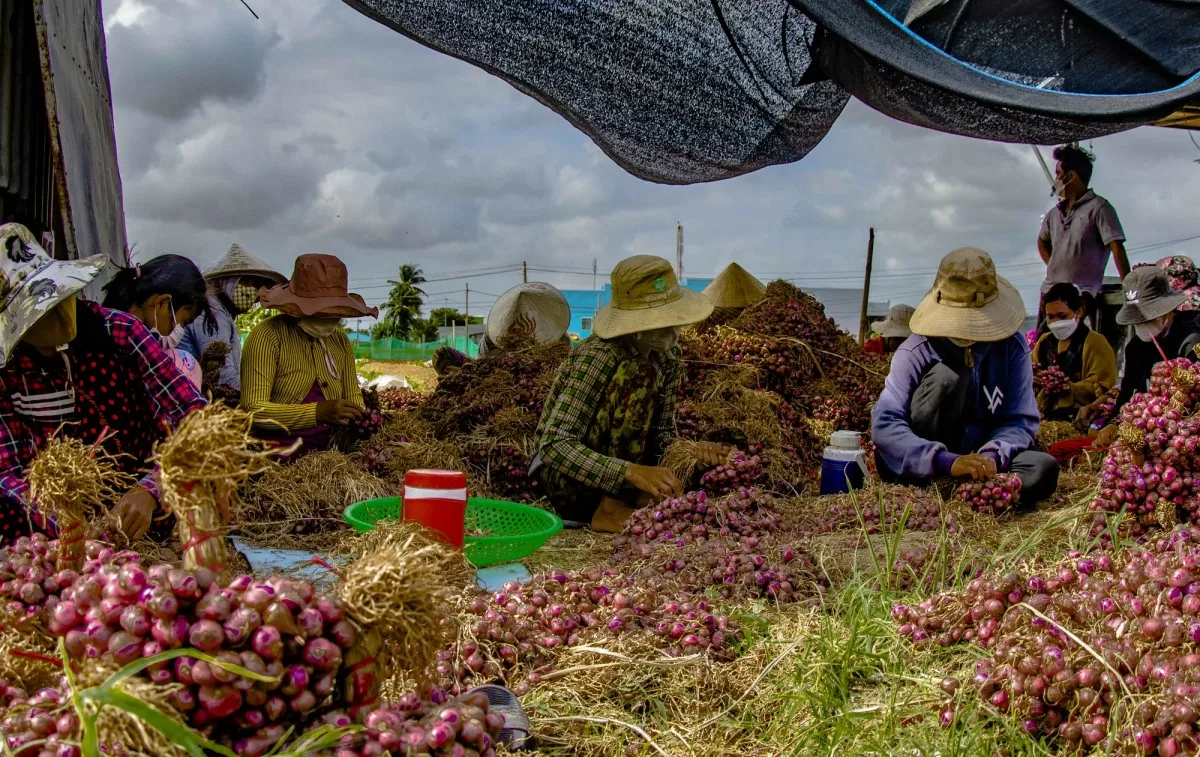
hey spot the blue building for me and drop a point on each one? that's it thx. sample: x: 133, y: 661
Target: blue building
x: 843, y: 305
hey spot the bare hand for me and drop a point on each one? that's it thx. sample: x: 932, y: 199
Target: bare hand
x: 1087, y: 413
x: 711, y: 454
x: 133, y: 513
x: 659, y: 483
x: 338, y: 412
x: 977, y: 467
x: 1107, y: 436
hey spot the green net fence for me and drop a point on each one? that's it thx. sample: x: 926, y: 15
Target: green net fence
x: 397, y: 350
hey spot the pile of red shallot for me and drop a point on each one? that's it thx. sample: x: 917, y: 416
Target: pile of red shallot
x: 740, y: 471
x: 1068, y: 643
x: 1151, y: 472
x: 993, y: 496
x: 885, y: 508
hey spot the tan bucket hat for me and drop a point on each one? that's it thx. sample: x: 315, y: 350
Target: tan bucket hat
x: 969, y: 301
x: 319, y: 287
x: 897, y: 322
x: 646, y: 295
x: 734, y: 287
x: 239, y: 262
x: 541, y: 302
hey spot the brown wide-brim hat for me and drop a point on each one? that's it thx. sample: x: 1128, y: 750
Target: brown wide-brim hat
x: 646, y: 295
x: 319, y: 288
x: 1148, y: 295
x: 240, y: 262
x: 969, y: 301
x: 734, y: 287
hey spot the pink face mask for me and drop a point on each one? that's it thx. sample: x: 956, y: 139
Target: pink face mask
x: 187, y: 365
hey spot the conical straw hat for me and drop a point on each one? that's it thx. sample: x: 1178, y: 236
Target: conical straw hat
x: 735, y: 288
x: 240, y: 262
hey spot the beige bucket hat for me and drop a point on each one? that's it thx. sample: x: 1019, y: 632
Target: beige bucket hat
x: 646, y: 295
x: 897, y: 322
x: 240, y: 262
x: 969, y: 301
x: 540, y: 302
x: 734, y: 287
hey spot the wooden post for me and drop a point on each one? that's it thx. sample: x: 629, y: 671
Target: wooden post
x: 862, y: 321
x: 467, y: 307
x: 524, y: 272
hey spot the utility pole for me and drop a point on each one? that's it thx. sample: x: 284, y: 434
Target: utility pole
x: 862, y: 320
x: 467, y: 307
x: 593, y: 274
x: 524, y: 273
x: 679, y: 250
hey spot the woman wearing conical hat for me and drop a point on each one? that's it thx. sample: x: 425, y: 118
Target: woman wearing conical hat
x: 233, y: 281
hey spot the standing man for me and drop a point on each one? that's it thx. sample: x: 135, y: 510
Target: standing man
x: 1079, y: 233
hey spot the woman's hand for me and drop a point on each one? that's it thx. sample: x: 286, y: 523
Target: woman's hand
x: 134, y: 512
x: 711, y: 454
x: 338, y: 412
x: 1107, y: 437
x: 659, y: 483
x: 1087, y: 413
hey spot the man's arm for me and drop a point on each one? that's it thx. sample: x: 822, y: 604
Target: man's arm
x: 1119, y: 257
x: 1044, y: 249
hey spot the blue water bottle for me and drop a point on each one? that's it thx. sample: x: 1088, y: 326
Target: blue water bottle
x: 844, y: 463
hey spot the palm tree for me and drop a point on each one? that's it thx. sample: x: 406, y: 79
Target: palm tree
x: 403, y: 306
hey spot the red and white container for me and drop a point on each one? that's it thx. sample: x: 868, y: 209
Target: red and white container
x: 437, y: 499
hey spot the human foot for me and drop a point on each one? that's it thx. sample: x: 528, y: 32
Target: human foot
x: 611, y: 516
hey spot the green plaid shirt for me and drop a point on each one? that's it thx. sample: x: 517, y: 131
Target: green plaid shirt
x: 572, y: 404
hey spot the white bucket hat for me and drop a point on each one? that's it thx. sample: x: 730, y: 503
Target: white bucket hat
x: 897, y: 322
x: 969, y: 301
x: 32, y: 283
x: 646, y: 295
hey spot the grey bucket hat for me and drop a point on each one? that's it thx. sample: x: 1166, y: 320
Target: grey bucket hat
x: 1148, y: 295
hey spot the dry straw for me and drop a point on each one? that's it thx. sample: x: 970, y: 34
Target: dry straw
x: 204, y: 464
x: 309, y: 494
x: 74, y: 483
x: 401, y: 585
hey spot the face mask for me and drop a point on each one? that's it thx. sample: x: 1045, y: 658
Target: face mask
x: 1063, y: 329
x: 1149, y: 330
x: 659, y: 340
x: 318, y: 328
x: 964, y: 343
x: 171, y: 340
x: 244, y: 296
x: 55, y: 328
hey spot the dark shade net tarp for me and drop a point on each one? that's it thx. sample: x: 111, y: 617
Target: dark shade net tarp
x: 684, y: 91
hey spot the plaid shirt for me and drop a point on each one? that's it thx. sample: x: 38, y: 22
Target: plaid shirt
x: 171, y: 395
x: 572, y: 404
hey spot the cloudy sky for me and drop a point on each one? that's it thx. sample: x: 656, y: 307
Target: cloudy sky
x: 315, y: 129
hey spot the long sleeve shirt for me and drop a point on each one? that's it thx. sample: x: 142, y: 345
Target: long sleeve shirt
x: 573, y: 401
x: 280, y: 364
x: 124, y: 383
x: 1000, y: 418
x: 196, y: 339
x: 1098, y: 371
x: 1140, y: 357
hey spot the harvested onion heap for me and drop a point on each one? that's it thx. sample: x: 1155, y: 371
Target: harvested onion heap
x: 885, y: 508
x: 518, y: 629
x: 1137, y: 610
x: 278, y: 627
x: 1051, y: 381
x: 728, y: 544
x: 437, y: 725
x: 742, y: 470
x: 994, y: 496
x: 1151, y: 472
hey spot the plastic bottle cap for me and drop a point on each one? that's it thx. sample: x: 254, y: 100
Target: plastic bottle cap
x: 846, y: 439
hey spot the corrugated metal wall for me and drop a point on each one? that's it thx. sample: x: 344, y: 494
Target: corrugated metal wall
x: 26, y: 166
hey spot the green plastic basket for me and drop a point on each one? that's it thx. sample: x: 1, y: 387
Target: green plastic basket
x: 517, y: 530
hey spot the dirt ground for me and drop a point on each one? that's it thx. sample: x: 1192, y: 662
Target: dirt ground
x: 422, y: 377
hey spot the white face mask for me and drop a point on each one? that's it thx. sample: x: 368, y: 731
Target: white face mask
x: 1063, y: 329
x: 171, y: 340
x: 1149, y: 330
x: 659, y: 340
x: 964, y: 343
x: 319, y: 328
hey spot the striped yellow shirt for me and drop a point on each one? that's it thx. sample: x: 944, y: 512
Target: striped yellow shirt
x: 279, y: 365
